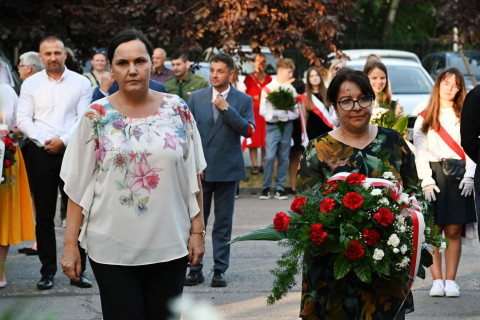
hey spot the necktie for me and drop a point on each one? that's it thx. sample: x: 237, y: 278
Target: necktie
x: 216, y: 111
x: 180, y: 92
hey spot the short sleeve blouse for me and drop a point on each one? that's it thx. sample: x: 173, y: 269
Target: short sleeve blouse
x: 136, y: 180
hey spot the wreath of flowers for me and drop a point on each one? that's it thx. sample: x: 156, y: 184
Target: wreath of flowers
x: 366, y: 223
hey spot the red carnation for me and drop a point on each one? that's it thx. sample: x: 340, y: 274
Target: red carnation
x: 99, y: 109
x: 371, y: 237
x: 353, y: 200
x: 281, y: 221
x: 327, y: 205
x: 384, y: 217
x: 317, y: 234
x: 354, y: 250
x: 13, y: 149
x: 356, y: 178
x: 298, y: 204
x: 8, y: 142
x: 7, y: 163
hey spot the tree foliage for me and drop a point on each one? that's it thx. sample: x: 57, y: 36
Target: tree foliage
x: 180, y: 24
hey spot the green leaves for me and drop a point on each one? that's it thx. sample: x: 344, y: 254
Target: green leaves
x: 268, y: 233
x: 341, y: 266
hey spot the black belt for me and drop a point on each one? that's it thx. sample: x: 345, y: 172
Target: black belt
x: 275, y: 123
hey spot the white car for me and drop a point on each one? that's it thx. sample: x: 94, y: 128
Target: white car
x: 410, y: 83
x: 358, y: 54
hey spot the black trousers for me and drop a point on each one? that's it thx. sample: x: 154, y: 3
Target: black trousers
x: 44, y: 171
x: 139, y: 292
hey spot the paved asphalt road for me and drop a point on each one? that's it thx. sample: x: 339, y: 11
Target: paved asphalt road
x: 249, y: 281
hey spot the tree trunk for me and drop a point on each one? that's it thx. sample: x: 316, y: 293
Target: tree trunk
x: 390, y: 19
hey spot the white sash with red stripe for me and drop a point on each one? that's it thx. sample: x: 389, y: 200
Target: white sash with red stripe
x: 322, y: 111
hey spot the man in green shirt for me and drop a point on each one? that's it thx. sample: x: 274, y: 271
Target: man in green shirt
x: 183, y: 83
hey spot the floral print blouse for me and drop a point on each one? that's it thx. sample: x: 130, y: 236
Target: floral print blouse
x: 136, y: 180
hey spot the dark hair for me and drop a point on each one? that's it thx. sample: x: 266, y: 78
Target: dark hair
x: 347, y: 74
x: 431, y: 118
x: 126, y: 36
x: 225, y: 58
x: 179, y: 55
x: 377, y: 64
x: 51, y: 38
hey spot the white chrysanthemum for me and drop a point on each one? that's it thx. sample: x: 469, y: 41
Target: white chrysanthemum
x: 388, y: 175
x: 383, y: 201
x: 443, y: 246
x: 403, y: 248
x: 376, y: 192
x: 378, y: 254
x: 192, y: 309
x: 394, y: 240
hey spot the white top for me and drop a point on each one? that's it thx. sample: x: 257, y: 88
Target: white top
x: 48, y: 108
x: 136, y: 180
x: 268, y: 110
x: 432, y: 148
x: 8, y: 105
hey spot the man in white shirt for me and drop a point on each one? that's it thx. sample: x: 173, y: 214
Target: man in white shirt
x: 51, y: 103
x: 278, y: 131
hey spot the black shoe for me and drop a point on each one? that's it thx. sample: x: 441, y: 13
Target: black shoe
x: 218, y: 280
x: 280, y: 195
x: 194, y: 278
x: 30, y: 252
x: 265, y: 194
x: 83, y: 283
x: 46, y: 283
x: 22, y: 250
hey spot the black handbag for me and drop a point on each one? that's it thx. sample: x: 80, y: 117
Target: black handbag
x: 453, y: 169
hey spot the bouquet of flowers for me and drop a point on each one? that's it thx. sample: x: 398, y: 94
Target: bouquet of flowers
x: 370, y: 226
x: 386, y: 117
x: 282, y: 98
x: 7, y: 153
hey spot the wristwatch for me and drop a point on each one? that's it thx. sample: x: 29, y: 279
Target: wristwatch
x: 203, y: 233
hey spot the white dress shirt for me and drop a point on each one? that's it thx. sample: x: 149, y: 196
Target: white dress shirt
x: 49, y: 108
x: 432, y: 148
x: 268, y: 110
x: 8, y: 105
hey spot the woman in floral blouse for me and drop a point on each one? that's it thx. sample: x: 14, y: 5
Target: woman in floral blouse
x: 131, y: 172
x: 356, y: 145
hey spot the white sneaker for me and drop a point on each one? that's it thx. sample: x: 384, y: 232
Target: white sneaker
x: 451, y: 289
x: 438, y: 289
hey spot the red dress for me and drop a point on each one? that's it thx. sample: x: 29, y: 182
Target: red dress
x: 254, y: 90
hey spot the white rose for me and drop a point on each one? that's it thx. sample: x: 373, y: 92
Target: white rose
x: 403, y: 248
x: 443, y: 246
x: 383, y: 201
x: 395, y: 250
x: 402, y: 229
x: 376, y: 192
x: 378, y: 254
x: 393, y: 240
x: 388, y: 175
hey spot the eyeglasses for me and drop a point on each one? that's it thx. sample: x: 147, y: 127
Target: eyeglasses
x: 450, y: 86
x: 349, y: 104
x: 20, y: 66
x: 100, y: 51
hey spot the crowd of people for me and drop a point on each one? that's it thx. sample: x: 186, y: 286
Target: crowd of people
x: 140, y: 153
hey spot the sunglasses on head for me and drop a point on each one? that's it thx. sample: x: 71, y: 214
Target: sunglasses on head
x: 100, y: 51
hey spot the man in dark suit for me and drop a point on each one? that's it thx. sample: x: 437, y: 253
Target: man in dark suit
x: 223, y: 114
x: 470, y: 137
